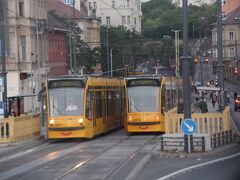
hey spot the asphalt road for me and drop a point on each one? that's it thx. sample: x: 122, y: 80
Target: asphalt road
x: 100, y: 158
x: 197, y: 166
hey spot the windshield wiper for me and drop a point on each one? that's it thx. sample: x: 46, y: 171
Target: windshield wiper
x: 57, y: 110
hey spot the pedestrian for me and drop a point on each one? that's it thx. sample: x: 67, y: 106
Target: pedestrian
x: 235, y: 95
x: 214, y: 99
x: 203, y: 106
x: 13, y: 114
x: 180, y: 106
x: 196, y: 105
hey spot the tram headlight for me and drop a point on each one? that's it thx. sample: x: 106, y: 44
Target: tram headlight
x: 51, y: 122
x: 130, y: 118
x: 80, y: 121
x: 157, y: 117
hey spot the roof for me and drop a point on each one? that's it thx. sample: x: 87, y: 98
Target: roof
x: 64, y: 10
x: 233, y: 17
x: 54, y: 23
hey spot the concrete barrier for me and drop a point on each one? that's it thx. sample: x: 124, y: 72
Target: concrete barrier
x: 18, y: 128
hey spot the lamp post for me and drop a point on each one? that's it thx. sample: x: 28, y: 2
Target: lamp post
x: 177, y: 51
x: 4, y: 73
x: 220, y: 55
x: 186, y: 75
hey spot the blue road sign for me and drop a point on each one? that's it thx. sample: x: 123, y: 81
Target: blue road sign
x: 188, y: 126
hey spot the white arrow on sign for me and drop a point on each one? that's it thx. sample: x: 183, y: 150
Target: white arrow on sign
x: 190, y: 128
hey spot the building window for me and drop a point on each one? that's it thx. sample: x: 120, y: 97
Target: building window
x: 22, y: 48
x: 89, y: 5
x: 215, y: 53
x: 214, y: 36
x: 232, y: 52
x: 94, y: 5
x: 108, y: 20
x: 21, y: 7
x: 231, y: 35
x: 123, y: 19
x: 135, y: 21
x: 113, y: 3
x: 128, y: 3
x: 129, y: 20
x: 139, y: 8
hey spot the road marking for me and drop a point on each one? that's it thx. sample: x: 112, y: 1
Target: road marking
x: 16, y: 155
x: 198, y: 165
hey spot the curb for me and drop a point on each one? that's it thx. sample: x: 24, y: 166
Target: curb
x: 139, y: 167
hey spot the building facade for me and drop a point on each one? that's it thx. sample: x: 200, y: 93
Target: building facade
x: 58, y: 53
x: 230, y: 46
x: 89, y: 25
x: 229, y: 6
x: 194, y: 2
x: 126, y: 13
x: 26, y: 57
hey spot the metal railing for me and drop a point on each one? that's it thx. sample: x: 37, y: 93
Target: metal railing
x: 198, y: 142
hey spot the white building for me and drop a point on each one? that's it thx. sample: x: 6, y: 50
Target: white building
x: 117, y: 12
x: 194, y: 2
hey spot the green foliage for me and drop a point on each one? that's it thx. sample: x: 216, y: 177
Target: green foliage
x: 160, y: 17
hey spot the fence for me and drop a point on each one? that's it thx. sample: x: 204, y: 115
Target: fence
x: 18, y: 128
x: 207, y: 123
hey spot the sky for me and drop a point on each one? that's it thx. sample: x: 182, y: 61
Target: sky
x: 145, y: 0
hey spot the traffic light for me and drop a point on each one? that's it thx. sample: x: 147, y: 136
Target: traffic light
x: 206, y: 60
x: 235, y: 71
x: 195, y: 60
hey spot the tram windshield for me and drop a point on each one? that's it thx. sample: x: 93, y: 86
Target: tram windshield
x: 143, y: 99
x: 66, y: 101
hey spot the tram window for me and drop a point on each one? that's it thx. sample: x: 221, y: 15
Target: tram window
x: 163, y: 99
x: 98, y: 105
x: 88, y: 105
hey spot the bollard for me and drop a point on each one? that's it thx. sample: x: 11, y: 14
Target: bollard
x: 227, y: 137
x: 203, y: 144
x: 219, y: 139
x: 162, y: 147
x: 215, y: 140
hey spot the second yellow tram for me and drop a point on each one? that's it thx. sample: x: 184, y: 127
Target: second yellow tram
x: 147, y: 100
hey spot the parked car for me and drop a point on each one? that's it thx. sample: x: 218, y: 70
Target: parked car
x: 237, y: 103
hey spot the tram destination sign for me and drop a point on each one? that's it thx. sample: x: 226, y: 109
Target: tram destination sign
x: 65, y: 83
x: 143, y: 82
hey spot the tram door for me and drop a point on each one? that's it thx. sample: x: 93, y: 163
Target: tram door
x: 43, y: 113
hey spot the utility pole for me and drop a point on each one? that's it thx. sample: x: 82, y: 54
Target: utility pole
x: 177, y: 51
x: 74, y: 39
x: 107, y: 51
x: 4, y: 73
x: 70, y: 40
x: 111, y: 62
x: 186, y: 74
x: 220, y: 55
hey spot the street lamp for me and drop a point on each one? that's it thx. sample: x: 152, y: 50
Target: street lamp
x: 220, y: 55
x: 177, y: 51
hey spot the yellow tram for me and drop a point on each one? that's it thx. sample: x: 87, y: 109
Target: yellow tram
x: 147, y: 99
x: 82, y: 107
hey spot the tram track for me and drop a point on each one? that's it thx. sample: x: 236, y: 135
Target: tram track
x: 62, y: 161
x: 115, y: 169
x: 110, y: 175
